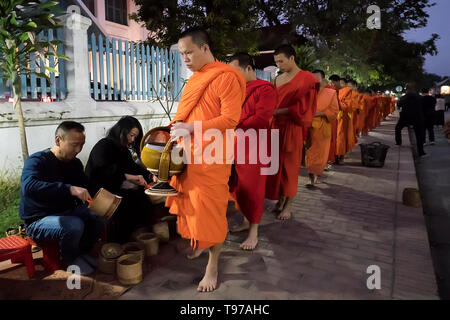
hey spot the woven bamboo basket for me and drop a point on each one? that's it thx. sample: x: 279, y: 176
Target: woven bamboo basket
x: 161, y: 229
x: 107, y: 259
x: 134, y: 248
x: 151, y: 243
x: 411, y: 197
x: 129, y: 269
x: 138, y: 232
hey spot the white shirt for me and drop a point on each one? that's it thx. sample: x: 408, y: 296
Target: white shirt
x: 440, y: 104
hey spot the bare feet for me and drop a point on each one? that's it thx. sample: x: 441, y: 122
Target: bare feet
x: 250, y: 243
x: 209, y: 281
x: 252, y: 240
x: 285, y: 214
x: 245, y: 225
x: 194, y: 253
x: 279, y: 205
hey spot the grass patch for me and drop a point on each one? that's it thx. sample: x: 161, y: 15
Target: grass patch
x: 9, y: 202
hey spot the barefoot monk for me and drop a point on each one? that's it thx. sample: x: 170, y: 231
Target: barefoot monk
x: 297, y: 103
x: 212, y: 98
x: 249, y: 187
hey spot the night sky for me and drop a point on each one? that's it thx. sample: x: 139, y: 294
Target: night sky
x: 438, y: 22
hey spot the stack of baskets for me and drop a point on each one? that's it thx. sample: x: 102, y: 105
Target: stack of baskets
x: 126, y: 260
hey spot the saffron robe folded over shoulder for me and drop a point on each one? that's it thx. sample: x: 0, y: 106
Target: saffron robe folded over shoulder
x: 299, y: 96
x: 249, y: 187
x: 345, y: 124
x: 317, y: 155
x: 214, y: 96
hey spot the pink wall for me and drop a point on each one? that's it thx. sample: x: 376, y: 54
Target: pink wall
x: 132, y: 32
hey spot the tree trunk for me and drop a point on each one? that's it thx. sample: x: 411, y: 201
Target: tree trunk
x: 20, y: 121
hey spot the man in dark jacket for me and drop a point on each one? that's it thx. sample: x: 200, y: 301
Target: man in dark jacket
x: 411, y: 114
x: 52, y: 198
x: 429, y: 105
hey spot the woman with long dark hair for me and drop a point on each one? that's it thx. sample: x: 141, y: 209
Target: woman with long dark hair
x: 111, y: 166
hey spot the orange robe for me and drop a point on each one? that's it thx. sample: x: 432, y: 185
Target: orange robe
x: 317, y: 155
x: 373, y: 112
x: 393, y: 103
x: 353, y: 139
x: 300, y: 97
x: 345, y: 124
x: 214, y: 96
x: 362, y: 113
x: 356, y: 97
x: 379, y: 110
x: 332, y: 152
x: 367, y: 110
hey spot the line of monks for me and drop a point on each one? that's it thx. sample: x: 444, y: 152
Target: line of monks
x: 301, y: 105
x: 308, y: 111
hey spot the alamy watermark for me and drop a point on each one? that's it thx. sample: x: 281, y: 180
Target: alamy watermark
x: 74, y: 280
x: 374, y: 20
x: 374, y: 280
x: 213, y: 146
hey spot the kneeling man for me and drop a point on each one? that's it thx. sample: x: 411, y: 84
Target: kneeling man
x: 53, y: 195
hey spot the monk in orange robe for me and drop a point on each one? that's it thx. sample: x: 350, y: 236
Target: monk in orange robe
x: 335, y: 85
x: 379, y: 108
x: 352, y: 137
x: 248, y: 184
x: 393, y: 103
x: 297, y: 103
x: 212, y: 99
x: 356, y: 102
x: 362, y: 114
x: 345, y: 132
x: 320, y: 131
x: 372, y: 116
x: 367, y: 102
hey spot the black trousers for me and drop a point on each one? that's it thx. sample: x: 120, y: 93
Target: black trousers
x: 418, y: 131
x: 429, y: 126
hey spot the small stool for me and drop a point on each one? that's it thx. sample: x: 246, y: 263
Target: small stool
x: 51, y: 256
x: 19, y: 251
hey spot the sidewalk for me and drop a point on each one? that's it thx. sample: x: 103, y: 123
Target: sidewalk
x: 353, y: 219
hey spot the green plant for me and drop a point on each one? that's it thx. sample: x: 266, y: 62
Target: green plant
x: 20, y: 23
x: 9, y: 201
x: 305, y: 57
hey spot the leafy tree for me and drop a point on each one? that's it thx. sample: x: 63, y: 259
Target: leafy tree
x: 20, y: 22
x: 231, y: 23
x: 305, y: 57
x: 338, y: 31
x: 336, y: 35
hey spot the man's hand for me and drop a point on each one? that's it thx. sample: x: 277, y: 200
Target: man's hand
x: 181, y: 130
x: 136, y: 179
x: 80, y: 193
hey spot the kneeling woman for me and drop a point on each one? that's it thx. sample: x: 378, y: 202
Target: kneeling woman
x: 112, y: 167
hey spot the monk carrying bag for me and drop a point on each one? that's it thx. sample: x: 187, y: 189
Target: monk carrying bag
x: 373, y: 154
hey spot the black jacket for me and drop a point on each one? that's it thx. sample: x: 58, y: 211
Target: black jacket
x: 411, y: 105
x: 108, y: 162
x: 429, y: 106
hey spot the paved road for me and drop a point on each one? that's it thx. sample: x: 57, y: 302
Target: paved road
x: 434, y: 181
